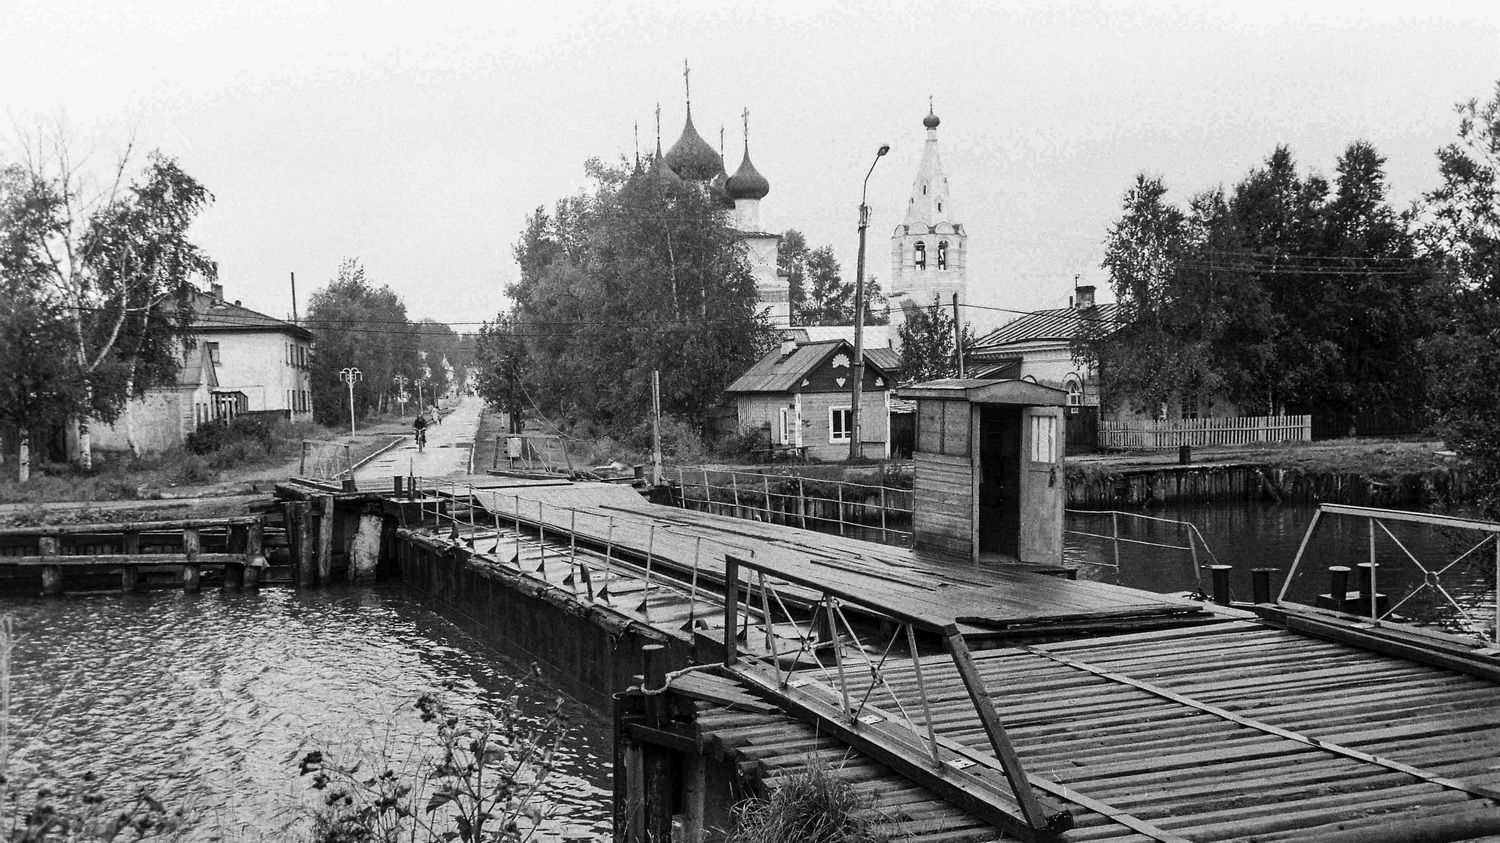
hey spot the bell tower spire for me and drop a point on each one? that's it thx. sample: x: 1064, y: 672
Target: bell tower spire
x: 929, y: 249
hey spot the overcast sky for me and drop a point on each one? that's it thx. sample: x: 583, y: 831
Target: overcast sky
x: 418, y: 136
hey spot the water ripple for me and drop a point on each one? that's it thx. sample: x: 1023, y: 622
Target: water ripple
x: 211, y: 699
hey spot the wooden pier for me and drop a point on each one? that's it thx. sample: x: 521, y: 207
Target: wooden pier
x: 1096, y: 713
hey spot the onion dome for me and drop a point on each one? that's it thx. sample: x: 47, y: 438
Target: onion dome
x: 747, y: 182
x: 931, y: 120
x: 718, y: 191
x: 660, y: 170
x: 691, y: 157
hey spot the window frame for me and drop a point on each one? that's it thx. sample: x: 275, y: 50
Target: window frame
x: 848, y: 418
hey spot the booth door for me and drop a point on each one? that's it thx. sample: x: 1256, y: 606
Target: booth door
x: 1000, y: 480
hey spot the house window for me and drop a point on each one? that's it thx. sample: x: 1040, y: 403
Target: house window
x: 920, y: 260
x: 942, y: 252
x: 1075, y: 392
x: 838, y: 424
x: 1043, y: 439
x: 213, y: 352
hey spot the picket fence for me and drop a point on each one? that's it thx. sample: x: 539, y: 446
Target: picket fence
x: 1146, y: 434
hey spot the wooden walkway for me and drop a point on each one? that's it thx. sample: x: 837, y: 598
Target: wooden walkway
x: 992, y: 600
x: 1238, y: 731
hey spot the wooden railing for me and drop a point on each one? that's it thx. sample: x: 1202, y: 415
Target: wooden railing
x: 1149, y: 434
x: 133, y: 548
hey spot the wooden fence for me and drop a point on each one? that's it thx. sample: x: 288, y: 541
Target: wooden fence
x: 1146, y: 435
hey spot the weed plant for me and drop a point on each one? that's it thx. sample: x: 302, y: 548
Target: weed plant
x: 483, y: 782
x: 813, y: 806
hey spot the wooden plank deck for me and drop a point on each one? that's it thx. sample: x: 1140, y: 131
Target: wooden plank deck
x: 1237, y: 731
x: 991, y: 597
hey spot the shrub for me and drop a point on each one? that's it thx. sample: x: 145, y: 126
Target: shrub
x: 219, y: 433
x: 812, y: 806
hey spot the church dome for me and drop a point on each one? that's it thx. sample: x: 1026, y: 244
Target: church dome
x: 931, y: 121
x: 691, y: 156
x: 747, y: 182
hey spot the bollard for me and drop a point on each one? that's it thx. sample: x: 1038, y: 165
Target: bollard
x: 658, y: 762
x: 1338, y: 587
x: 400, y: 485
x: 1220, y: 575
x: 349, y: 485
x: 1260, y: 584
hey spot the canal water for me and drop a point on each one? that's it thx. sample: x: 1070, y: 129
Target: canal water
x: 211, y: 700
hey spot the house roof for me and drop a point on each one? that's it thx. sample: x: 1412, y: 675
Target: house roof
x: 778, y: 372
x: 211, y: 315
x: 1059, y: 324
x: 198, y: 369
x: 875, y: 336
x: 980, y: 391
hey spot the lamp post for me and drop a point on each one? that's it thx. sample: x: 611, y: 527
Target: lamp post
x: 401, y: 382
x: 421, y: 405
x: 859, y: 310
x: 351, y: 376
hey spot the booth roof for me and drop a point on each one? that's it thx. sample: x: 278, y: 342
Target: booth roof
x: 979, y: 391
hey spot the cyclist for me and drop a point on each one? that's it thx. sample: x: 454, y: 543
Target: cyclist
x: 419, y: 430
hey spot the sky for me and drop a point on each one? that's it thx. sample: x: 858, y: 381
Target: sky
x: 417, y: 137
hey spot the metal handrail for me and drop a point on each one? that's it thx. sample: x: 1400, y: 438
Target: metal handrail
x: 1369, y: 602
x: 760, y: 488
x: 1191, y: 547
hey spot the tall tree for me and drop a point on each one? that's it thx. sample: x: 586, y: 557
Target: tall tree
x: 1462, y: 235
x: 927, y: 351
x: 791, y: 258
x: 361, y: 326
x: 119, y: 260
x: 38, y: 386
x: 500, y: 357
x: 641, y: 274
x: 827, y: 300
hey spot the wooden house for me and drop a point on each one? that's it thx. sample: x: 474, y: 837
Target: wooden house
x: 799, y: 396
x: 989, y: 469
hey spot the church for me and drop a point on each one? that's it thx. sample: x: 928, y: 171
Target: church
x: 929, y: 249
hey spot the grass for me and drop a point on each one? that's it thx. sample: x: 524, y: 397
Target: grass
x: 814, y: 805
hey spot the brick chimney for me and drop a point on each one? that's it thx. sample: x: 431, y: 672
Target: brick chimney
x: 1083, y: 296
x: 217, y: 291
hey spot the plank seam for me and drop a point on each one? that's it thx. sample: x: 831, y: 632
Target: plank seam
x: 1277, y: 731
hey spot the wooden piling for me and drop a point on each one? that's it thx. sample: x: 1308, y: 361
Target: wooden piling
x: 192, y: 572
x: 307, y: 570
x: 255, y: 554
x: 1260, y: 584
x: 660, y: 790
x: 130, y: 579
x: 325, y: 539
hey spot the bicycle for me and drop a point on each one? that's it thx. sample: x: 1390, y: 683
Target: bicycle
x: 421, y: 436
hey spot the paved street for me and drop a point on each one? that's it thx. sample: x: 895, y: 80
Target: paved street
x: 446, y: 454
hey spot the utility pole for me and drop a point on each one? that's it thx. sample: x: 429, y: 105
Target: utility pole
x: 958, y: 337
x: 655, y: 428
x: 859, y: 310
x: 401, y: 382
x: 351, y: 376
x: 294, y: 299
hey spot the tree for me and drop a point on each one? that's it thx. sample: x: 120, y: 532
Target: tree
x: 38, y: 386
x: 501, y: 359
x: 361, y: 326
x: 927, y: 344
x: 791, y: 258
x: 827, y: 299
x: 1149, y: 351
x: 640, y: 275
x: 120, y: 263
x: 1462, y: 236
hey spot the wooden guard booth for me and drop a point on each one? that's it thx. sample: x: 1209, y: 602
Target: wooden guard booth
x: 989, y: 469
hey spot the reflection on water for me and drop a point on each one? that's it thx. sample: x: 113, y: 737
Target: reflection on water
x: 1250, y: 535
x: 212, y: 699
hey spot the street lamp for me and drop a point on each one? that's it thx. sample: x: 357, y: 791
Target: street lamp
x: 401, y: 382
x: 351, y: 376
x: 859, y: 309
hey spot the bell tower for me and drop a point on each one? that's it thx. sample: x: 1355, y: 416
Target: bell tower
x: 929, y: 249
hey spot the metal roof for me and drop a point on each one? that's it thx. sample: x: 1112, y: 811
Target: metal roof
x: 778, y: 372
x: 213, y: 315
x: 1059, y: 324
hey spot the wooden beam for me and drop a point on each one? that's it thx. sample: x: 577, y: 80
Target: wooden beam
x: 1010, y: 763
x: 129, y: 526
x: 121, y: 560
